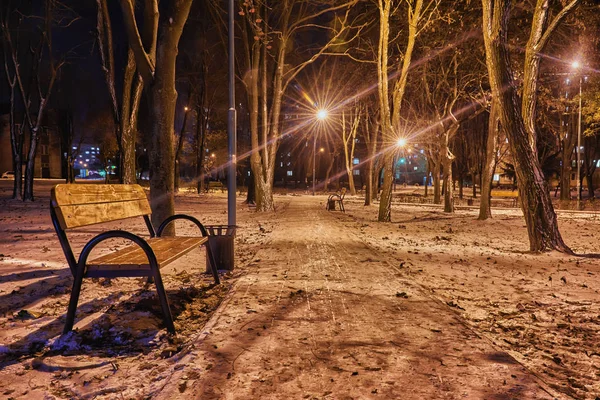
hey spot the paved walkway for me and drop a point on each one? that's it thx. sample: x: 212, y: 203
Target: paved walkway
x: 322, y: 315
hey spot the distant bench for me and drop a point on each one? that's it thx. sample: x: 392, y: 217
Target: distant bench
x: 77, y: 205
x: 337, y: 198
x: 214, y: 185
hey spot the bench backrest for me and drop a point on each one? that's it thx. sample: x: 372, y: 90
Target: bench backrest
x: 88, y: 204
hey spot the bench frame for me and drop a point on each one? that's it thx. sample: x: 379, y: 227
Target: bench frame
x: 79, y: 267
x: 336, y: 198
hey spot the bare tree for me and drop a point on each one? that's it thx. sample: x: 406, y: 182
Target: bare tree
x: 349, y: 130
x: 519, y: 122
x: 269, y: 35
x: 420, y: 13
x: 125, y: 108
x: 17, y: 136
x: 157, y: 69
x: 371, y: 136
x: 36, y: 93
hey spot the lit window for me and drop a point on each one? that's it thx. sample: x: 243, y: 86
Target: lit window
x: 87, y: 160
x: 416, y: 168
x: 87, y: 152
x: 290, y: 173
x: 356, y: 172
x: 496, y: 177
x: 355, y: 161
x: 74, y: 147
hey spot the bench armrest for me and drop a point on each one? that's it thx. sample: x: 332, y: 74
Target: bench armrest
x: 172, y: 218
x: 96, y: 240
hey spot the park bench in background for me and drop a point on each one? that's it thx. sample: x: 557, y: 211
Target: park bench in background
x: 214, y: 185
x: 334, y: 199
x: 76, y: 205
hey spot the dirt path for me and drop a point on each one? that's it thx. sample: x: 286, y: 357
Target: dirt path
x: 320, y: 314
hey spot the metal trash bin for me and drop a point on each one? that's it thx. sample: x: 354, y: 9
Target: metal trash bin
x: 220, y: 240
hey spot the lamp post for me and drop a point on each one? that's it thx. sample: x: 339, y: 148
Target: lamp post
x: 231, y: 120
x: 400, y: 143
x: 576, y: 66
x: 321, y: 115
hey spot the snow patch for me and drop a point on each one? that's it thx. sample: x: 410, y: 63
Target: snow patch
x: 68, y: 342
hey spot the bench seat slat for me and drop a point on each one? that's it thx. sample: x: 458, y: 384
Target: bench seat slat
x: 132, y: 261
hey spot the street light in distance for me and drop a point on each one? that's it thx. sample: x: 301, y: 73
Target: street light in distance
x: 322, y: 114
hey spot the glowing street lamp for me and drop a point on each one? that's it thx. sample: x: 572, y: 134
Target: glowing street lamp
x: 322, y: 114
x: 401, y: 142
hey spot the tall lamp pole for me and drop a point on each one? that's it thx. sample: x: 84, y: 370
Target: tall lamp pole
x: 231, y: 123
x: 576, y: 65
x: 321, y: 115
x: 314, y: 160
x: 579, y: 147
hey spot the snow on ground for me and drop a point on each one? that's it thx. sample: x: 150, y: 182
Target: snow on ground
x: 321, y: 304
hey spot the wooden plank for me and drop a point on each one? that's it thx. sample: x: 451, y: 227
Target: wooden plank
x: 65, y: 194
x: 81, y: 205
x: 132, y: 258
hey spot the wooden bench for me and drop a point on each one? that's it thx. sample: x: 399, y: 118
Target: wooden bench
x: 334, y: 199
x: 76, y: 205
x: 214, y: 185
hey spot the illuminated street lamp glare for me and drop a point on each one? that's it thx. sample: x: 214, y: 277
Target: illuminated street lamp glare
x: 322, y: 114
x: 401, y: 142
x: 575, y: 64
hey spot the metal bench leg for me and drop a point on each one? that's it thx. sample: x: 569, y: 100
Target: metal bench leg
x: 77, y: 282
x: 213, y: 263
x: 342, y: 206
x: 162, y: 296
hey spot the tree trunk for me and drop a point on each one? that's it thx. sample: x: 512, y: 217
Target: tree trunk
x: 385, y: 202
x: 163, y: 98
x: 264, y: 194
x: 30, y: 166
x: 437, y: 189
x: 449, y: 193
x: 540, y: 218
x: 489, y: 166
x: 129, y: 133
